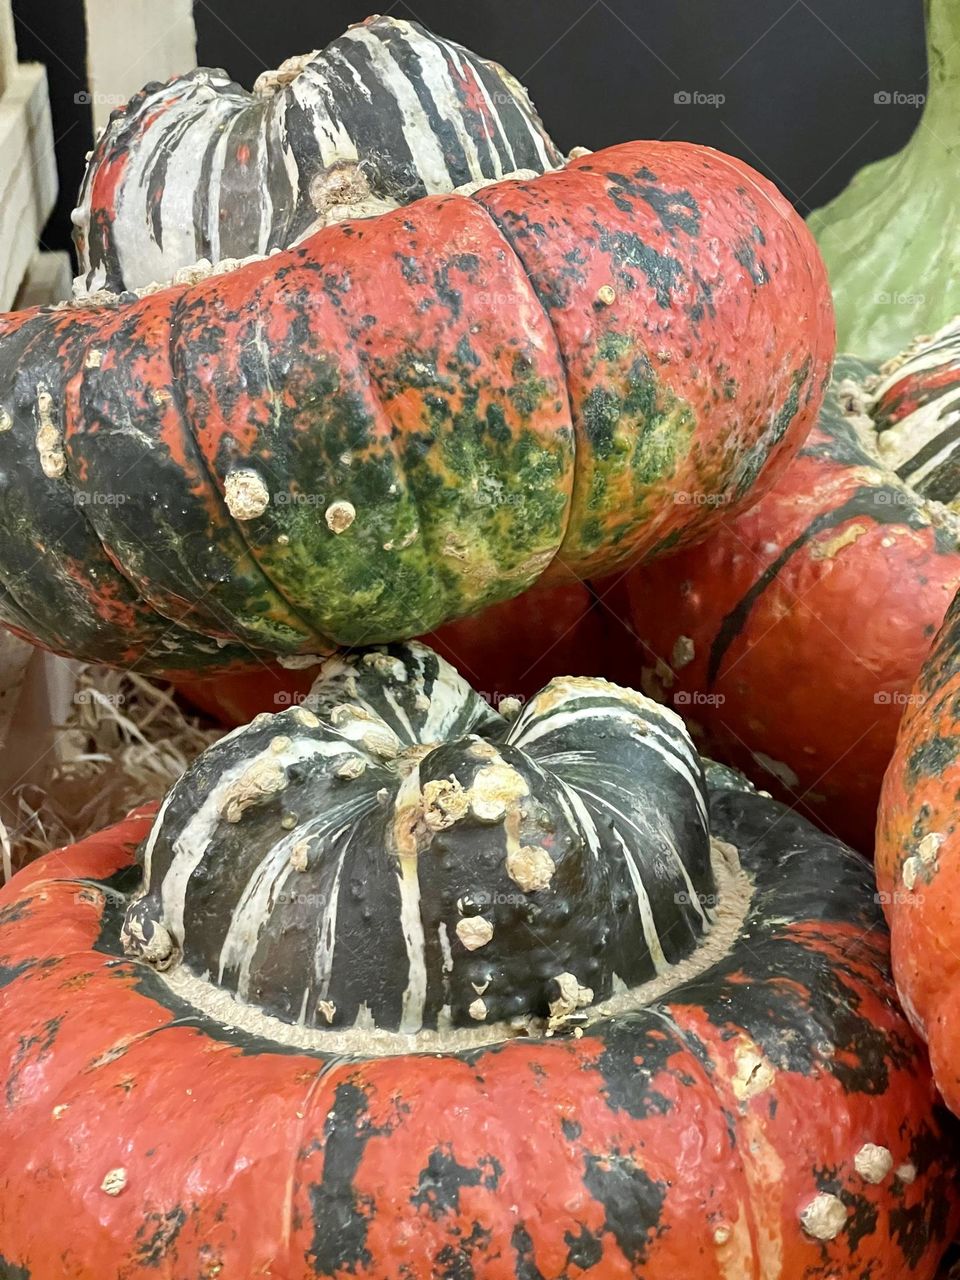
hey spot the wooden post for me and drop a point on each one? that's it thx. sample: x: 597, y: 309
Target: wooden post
x: 28, y: 174
x: 35, y: 687
x: 130, y: 42
x: 48, y: 279
x: 8, y: 46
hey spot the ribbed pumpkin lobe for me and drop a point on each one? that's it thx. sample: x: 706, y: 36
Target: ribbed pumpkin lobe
x: 396, y: 855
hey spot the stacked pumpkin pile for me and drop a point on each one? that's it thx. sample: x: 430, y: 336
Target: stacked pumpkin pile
x: 405, y: 979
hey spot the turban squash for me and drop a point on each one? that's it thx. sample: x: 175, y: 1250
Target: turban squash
x: 917, y: 854
x: 792, y: 637
x: 396, y: 977
x: 410, y: 417
x: 199, y: 168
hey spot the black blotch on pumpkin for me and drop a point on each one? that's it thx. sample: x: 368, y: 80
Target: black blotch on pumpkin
x: 931, y: 759
x: 453, y: 1262
x: 632, y: 1200
x: 15, y: 911
x: 37, y: 1045
x: 675, y: 209
x: 746, y: 255
x: 525, y: 1267
x: 447, y: 294
x: 585, y: 1249
x: 10, y: 973
x: 10, y: 1270
x: 703, y: 299
x: 340, y: 1213
x: 862, y: 1216
x: 466, y: 355
x: 439, y: 1187
x: 634, y: 1056
x: 519, y: 231
x: 861, y: 1221
x: 756, y: 457
x: 157, y: 1234
x: 410, y: 269
x: 911, y: 1232
x: 939, y: 666
x: 913, y: 1227
x: 628, y: 254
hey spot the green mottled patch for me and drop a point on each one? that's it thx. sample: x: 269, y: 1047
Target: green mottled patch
x: 637, y: 431
x: 725, y: 384
x: 665, y: 426
x: 528, y: 391
x: 613, y: 346
x: 451, y: 514
x: 664, y: 441
x: 601, y: 416
x: 644, y: 395
x: 591, y: 534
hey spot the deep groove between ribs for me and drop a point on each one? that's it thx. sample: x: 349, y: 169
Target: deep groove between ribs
x: 178, y: 399
x: 563, y: 365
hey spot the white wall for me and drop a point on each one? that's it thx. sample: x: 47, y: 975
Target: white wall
x: 130, y: 42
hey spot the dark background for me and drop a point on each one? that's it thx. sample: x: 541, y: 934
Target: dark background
x: 799, y: 76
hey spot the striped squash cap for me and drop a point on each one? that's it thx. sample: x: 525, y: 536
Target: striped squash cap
x: 386, y: 113
x: 394, y: 853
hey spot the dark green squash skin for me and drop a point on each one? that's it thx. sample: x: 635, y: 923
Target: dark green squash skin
x: 684, y: 1138
x: 56, y: 585
x: 410, y: 417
